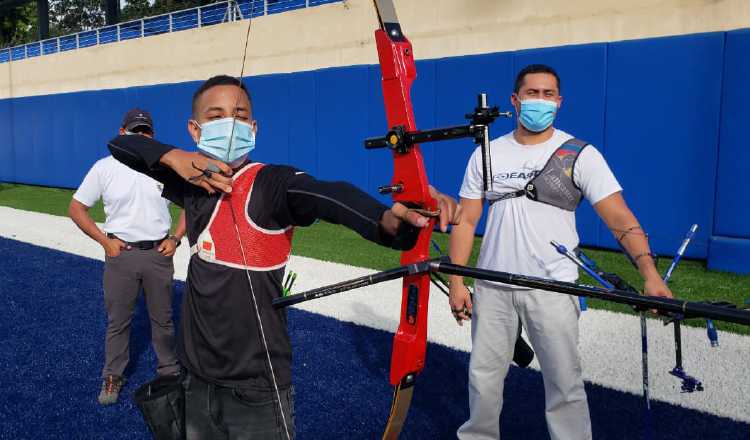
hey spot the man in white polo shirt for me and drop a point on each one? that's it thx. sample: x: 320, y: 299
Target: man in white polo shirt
x: 138, y: 254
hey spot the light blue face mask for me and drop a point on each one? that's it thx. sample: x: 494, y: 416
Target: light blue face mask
x: 537, y: 114
x: 227, y: 139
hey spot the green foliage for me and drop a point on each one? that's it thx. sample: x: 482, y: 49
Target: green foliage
x: 70, y: 16
x: 53, y: 201
x: 164, y: 6
x: 18, y: 25
x: 135, y: 9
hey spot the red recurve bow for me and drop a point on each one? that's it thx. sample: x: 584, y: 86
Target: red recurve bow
x: 409, y: 186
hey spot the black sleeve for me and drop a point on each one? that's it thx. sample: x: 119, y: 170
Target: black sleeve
x: 308, y: 199
x: 142, y: 154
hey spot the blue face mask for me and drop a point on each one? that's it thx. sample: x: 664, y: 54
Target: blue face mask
x: 537, y: 114
x: 227, y: 139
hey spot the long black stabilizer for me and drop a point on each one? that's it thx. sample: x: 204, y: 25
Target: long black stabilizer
x: 689, y: 309
x: 368, y: 280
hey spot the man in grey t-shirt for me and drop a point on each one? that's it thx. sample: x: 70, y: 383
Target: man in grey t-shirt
x: 517, y: 239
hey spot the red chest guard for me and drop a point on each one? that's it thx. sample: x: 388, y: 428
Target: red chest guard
x: 265, y: 249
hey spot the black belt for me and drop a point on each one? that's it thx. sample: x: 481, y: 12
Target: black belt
x: 142, y: 245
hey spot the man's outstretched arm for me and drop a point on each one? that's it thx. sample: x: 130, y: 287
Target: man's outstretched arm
x: 308, y: 199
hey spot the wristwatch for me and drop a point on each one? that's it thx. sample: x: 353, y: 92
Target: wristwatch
x: 176, y: 240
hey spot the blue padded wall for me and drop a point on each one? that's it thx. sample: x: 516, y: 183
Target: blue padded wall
x: 7, y: 147
x: 302, y: 147
x: 729, y: 254
x: 273, y: 109
x: 342, y: 124
x: 667, y: 113
x: 730, y: 247
x: 661, y: 130
x: 732, y: 202
x: 63, y: 135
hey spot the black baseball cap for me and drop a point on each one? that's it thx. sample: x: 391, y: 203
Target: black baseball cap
x: 137, y: 118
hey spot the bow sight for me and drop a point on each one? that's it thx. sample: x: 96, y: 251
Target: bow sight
x: 400, y: 140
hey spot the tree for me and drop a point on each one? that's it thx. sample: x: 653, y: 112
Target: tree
x: 164, y: 6
x: 135, y: 9
x: 70, y: 16
x: 18, y: 25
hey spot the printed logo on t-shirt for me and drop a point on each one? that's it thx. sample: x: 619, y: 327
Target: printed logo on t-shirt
x: 499, y: 177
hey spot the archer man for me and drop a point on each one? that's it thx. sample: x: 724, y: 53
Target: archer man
x: 240, y: 220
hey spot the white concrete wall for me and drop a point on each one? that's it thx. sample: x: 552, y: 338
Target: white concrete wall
x: 341, y: 34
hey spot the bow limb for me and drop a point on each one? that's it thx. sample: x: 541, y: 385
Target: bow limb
x: 410, y: 186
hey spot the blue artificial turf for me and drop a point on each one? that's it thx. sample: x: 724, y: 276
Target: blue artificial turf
x: 52, y: 324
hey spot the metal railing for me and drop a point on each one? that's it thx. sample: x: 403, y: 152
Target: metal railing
x: 201, y: 16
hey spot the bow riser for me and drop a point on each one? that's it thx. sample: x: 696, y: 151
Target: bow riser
x: 398, y: 73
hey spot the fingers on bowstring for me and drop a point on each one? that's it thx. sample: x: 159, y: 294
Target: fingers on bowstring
x: 217, y: 184
x: 216, y: 166
x: 420, y: 217
x: 205, y: 185
x: 400, y: 210
x: 212, y: 168
x: 196, y: 179
x: 426, y: 212
x: 203, y: 171
x: 222, y: 179
x: 212, y: 185
x: 212, y: 178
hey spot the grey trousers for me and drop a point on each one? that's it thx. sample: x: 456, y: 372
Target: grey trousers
x: 124, y: 276
x: 222, y: 413
x: 551, y: 323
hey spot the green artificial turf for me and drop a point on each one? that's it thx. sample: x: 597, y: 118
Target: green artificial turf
x: 53, y: 201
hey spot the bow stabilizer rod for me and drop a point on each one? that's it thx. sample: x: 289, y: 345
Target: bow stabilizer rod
x: 720, y: 311
x: 356, y: 283
x: 690, y: 309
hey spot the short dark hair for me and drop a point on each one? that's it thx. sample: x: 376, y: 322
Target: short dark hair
x: 535, y: 68
x: 219, y: 80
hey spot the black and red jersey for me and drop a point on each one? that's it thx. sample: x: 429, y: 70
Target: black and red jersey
x: 219, y: 337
